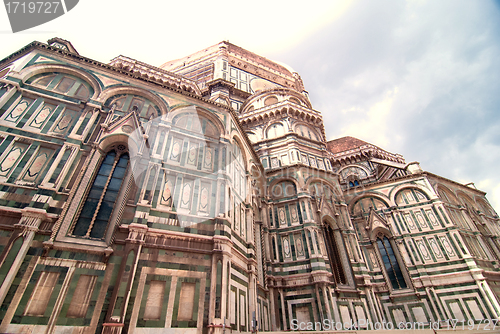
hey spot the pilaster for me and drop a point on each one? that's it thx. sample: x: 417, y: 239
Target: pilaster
x: 26, y: 228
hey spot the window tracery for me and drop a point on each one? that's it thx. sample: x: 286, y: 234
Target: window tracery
x: 390, y: 262
x: 125, y: 103
x: 275, y: 130
x: 410, y: 196
x: 305, y: 131
x: 99, y: 204
x: 63, y: 84
x: 352, y: 173
x: 334, y: 254
x: 363, y: 205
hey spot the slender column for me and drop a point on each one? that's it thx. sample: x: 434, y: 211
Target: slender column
x: 334, y: 303
x: 213, y: 280
x: 11, y: 90
x: 320, y: 307
x: 316, y: 242
x: 488, y: 296
x: 433, y: 302
x: 28, y: 224
x: 135, y: 240
x: 64, y: 170
x: 493, y: 247
x: 223, y: 245
x: 327, y: 304
x: 378, y: 306
x: 79, y: 122
x: 252, y: 297
x: 371, y: 305
x: 45, y: 182
x: 272, y: 299
x: 309, y: 242
x: 59, y: 302
x: 90, y: 123
x: 283, y: 310
x: 16, y: 299
x: 67, y: 166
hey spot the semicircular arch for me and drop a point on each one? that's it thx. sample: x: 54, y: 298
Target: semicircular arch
x: 189, y: 108
x: 238, y: 141
x: 484, y: 205
x: 286, y: 191
x: 114, y: 139
x: 305, y: 130
x: 34, y: 70
x: 409, y: 193
x: 466, y: 199
x: 374, y: 233
x: 447, y: 195
x: 128, y: 90
x: 312, y: 180
x: 367, y: 200
x: 346, y: 171
x: 275, y: 129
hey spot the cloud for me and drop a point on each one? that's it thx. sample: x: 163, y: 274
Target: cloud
x: 418, y: 78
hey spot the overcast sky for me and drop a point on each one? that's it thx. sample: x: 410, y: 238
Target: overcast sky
x: 419, y: 78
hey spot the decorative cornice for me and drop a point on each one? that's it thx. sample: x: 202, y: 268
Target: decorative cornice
x: 44, y: 47
x: 155, y: 74
x: 463, y: 186
x: 279, y: 108
x: 367, y: 151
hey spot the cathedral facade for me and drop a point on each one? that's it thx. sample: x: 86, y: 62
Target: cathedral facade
x: 202, y: 196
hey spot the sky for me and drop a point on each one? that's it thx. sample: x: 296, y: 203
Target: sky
x: 419, y: 78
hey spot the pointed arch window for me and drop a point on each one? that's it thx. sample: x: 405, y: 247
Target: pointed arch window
x: 391, y: 264
x: 334, y: 255
x: 97, y: 210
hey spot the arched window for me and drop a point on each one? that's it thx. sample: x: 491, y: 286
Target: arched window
x: 485, y: 207
x: 320, y: 189
x: 270, y: 100
x: 284, y: 189
x: 63, y: 84
x: 354, y: 183
x: 363, y: 205
x: 98, y: 207
x: 391, y: 264
x: 197, y: 123
x: 447, y: 195
x: 410, y: 196
x: 275, y: 130
x: 123, y: 104
x: 295, y: 100
x: 352, y: 173
x: 334, y: 255
x: 305, y: 131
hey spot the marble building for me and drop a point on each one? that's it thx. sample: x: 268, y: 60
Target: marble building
x: 202, y: 196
